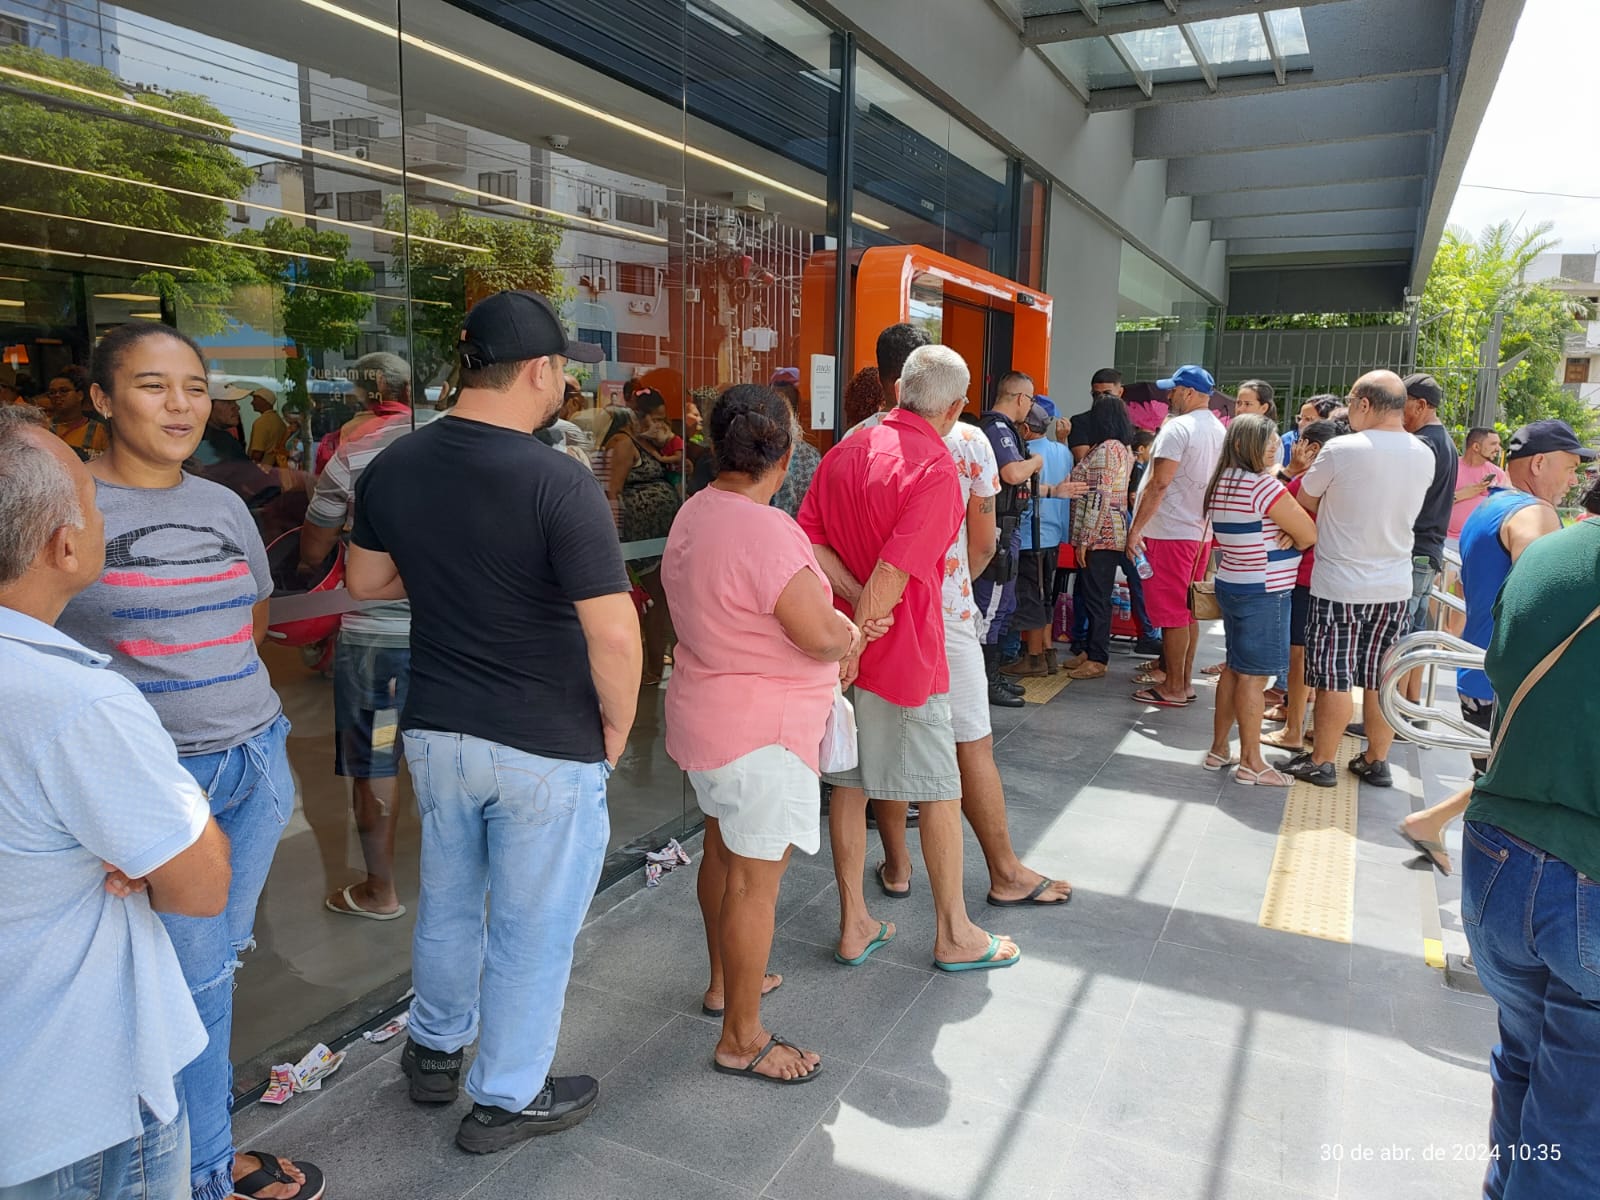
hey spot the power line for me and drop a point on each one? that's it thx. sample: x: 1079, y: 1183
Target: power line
x: 1489, y: 187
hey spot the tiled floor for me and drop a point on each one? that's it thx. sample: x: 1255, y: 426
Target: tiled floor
x: 1153, y: 1043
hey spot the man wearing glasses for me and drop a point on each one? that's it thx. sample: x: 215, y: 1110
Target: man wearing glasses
x: 995, y: 591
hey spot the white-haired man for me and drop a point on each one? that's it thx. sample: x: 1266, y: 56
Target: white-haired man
x: 884, y: 507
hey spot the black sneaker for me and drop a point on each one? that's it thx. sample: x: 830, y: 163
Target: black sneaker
x: 1356, y: 729
x: 1003, y: 697
x: 565, y: 1101
x: 435, y: 1076
x: 1321, y: 775
x: 1374, y: 774
x: 1148, y: 646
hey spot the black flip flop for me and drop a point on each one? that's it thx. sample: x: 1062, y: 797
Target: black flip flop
x: 750, y: 1072
x: 1429, y: 850
x: 271, y: 1171
x: 889, y: 891
x: 1031, y: 900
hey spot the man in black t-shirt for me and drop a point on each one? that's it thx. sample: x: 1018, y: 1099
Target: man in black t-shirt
x: 1423, y: 395
x: 525, y: 663
x: 1086, y: 431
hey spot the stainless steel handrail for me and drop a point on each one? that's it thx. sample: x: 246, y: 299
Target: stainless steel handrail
x: 1427, y: 724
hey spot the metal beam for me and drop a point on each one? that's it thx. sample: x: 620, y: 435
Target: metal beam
x: 1306, y: 166
x: 1146, y: 14
x: 1140, y: 75
x: 1335, y: 198
x: 1273, y: 50
x: 1347, y: 113
x: 1091, y: 9
x: 1319, y: 225
x: 1251, y: 247
x: 1350, y: 40
x: 1207, y: 71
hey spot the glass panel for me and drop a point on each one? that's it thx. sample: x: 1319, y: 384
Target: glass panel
x: 1034, y: 234
x: 1162, y: 323
x: 1231, y: 41
x: 1290, y: 31
x: 1158, y: 49
x: 927, y: 306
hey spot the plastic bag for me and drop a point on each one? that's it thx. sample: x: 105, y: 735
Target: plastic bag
x: 839, y: 749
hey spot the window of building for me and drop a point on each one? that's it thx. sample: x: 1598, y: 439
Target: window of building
x: 637, y: 279
x: 352, y: 133
x: 359, y: 206
x: 1577, y: 370
x: 638, y: 348
x: 599, y: 337
x: 635, y: 210
x: 497, y: 183
x: 13, y: 32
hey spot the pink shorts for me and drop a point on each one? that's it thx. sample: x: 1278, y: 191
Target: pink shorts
x: 1166, y: 593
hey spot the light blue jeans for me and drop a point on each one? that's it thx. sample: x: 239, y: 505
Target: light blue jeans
x: 153, y: 1166
x: 530, y: 834
x: 252, y: 797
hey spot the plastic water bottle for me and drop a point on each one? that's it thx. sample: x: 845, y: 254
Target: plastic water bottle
x: 1142, y: 565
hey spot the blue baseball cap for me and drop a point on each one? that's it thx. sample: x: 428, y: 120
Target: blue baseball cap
x: 1045, y: 403
x: 1191, y: 376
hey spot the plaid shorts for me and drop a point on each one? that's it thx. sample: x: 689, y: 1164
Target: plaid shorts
x: 1345, y: 643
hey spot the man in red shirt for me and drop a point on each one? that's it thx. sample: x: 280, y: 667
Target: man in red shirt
x: 884, y: 507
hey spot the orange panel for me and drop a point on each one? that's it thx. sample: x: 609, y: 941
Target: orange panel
x: 965, y: 331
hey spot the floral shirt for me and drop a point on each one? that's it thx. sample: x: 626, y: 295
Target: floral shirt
x: 979, y: 476
x: 1100, y: 519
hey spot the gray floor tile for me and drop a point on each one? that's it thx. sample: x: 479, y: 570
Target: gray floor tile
x: 1185, y: 811
x: 1402, y: 1145
x: 1420, y: 1045
x: 1247, y: 814
x: 1101, y: 1167
x: 578, y: 1165
x: 1269, y: 1008
x: 675, y: 1107
x: 1014, y: 1051
x: 890, y: 1139
x: 1210, y: 917
x: 1261, y: 1116
x: 600, y: 1028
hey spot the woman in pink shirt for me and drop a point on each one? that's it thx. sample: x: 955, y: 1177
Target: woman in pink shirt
x: 759, y: 652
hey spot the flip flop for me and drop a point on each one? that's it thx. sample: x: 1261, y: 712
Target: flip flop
x: 1429, y: 850
x: 765, y: 992
x: 1149, y: 695
x: 271, y: 1171
x: 1214, y: 669
x: 888, y: 891
x: 878, y: 943
x: 1032, y: 900
x: 1275, y: 739
x: 355, y: 910
x: 987, y: 963
x: 749, y: 1070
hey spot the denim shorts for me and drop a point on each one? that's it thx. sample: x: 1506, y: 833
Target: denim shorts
x: 1256, y: 625
x: 369, y: 691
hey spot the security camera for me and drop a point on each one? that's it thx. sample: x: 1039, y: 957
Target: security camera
x: 559, y: 141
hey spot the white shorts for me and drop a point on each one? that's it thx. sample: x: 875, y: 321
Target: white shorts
x: 764, y: 802
x: 969, y: 682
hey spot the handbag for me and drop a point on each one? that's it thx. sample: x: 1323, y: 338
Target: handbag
x: 1533, y: 677
x: 840, y: 751
x: 1203, y: 592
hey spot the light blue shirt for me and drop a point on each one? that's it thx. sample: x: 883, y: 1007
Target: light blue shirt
x: 98, y: 1010
x: 1054, y: 513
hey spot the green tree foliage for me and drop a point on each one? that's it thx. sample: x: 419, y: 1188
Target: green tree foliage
x: 1473, y: 278
x: 515, y: 254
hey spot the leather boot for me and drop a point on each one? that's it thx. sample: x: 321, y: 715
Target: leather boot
x: 1027, y: 667
x: 1050, y: 664
x: 1001, y: 693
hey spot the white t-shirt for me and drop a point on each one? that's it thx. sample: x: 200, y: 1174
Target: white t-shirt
x: 979, y: 476
x: 1371, y: 486
x: 1194, y: 442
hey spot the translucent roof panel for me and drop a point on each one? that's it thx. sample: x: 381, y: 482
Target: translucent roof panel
x: 1158, y: 49
x: 1232, y: 42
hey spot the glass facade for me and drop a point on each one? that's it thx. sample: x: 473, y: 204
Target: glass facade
x: 1162, y: 323
x: 298, y: 184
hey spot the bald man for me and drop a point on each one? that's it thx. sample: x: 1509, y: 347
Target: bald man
x: 1365, y: 491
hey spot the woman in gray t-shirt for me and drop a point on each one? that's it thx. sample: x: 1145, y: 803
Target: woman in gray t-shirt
x: 180, y: 608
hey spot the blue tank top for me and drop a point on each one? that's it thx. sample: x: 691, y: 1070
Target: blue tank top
x: 1485, y: 563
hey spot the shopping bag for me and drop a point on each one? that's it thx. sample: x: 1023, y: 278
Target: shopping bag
x: 839, y: 750
x: 1061, y: 627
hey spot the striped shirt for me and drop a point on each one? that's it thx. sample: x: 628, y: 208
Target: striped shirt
x: 1248, y: 537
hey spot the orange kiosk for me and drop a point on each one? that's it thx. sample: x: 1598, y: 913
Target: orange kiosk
x: 994, y: 323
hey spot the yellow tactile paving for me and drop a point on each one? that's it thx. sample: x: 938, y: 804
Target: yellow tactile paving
x: 1311, y: 888
x: 1040, y: 689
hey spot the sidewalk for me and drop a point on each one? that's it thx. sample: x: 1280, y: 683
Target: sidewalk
x: 1154, y: 1042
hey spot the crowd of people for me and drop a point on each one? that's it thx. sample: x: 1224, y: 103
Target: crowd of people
x: 830, y: 624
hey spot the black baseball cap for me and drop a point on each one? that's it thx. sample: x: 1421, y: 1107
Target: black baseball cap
x: 1425, y: 388
x: 1547, y: 437
x: 516, y: 326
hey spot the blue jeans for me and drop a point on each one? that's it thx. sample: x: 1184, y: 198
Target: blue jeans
x: 530, y: 833
x: 152, y: 1166
x: 1534, y: 926
x: 252, y: 797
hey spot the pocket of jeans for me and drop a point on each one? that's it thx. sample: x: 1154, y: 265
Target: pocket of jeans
x: 1482, y: 843
x: 417, y: 764
x: 1589, y: 925
x: 537, y: 790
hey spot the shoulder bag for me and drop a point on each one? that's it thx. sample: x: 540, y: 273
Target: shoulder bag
x: 1203, y: 592
x: 1532, y: 678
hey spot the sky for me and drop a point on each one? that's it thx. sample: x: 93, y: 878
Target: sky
x: 1537, y: 134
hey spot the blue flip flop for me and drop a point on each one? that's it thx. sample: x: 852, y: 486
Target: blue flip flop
x: 883, y: 939
x: 987, y: 963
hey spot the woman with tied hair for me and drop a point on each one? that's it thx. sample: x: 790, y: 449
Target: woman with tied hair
x: 1261, y: 530
x: 758, y: 657
x: 180, y: 608
x: 1255, y: 399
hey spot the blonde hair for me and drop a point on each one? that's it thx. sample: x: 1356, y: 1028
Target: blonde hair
x: 1244, y: 448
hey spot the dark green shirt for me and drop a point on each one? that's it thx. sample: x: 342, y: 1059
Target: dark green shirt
x: 1544, y: 786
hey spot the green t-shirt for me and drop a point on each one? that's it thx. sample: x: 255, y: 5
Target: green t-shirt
x: 1544, y: 786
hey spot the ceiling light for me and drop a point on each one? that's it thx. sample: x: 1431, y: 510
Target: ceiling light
x: 135, y: 297
x: 132, y: 262
x: 13, y: 304
x: 149, y: 316
x: 188, y: 237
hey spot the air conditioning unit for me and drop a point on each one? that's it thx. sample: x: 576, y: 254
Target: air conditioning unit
x: 602, y: 213
x: 643, y: 308
x: 360, y: 152
x: 691, y: 295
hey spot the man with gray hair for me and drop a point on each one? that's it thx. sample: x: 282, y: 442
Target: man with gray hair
x: 1365, y: 489
x: 882, y: 511
x: 372, y: 658
x: 100, y: 829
